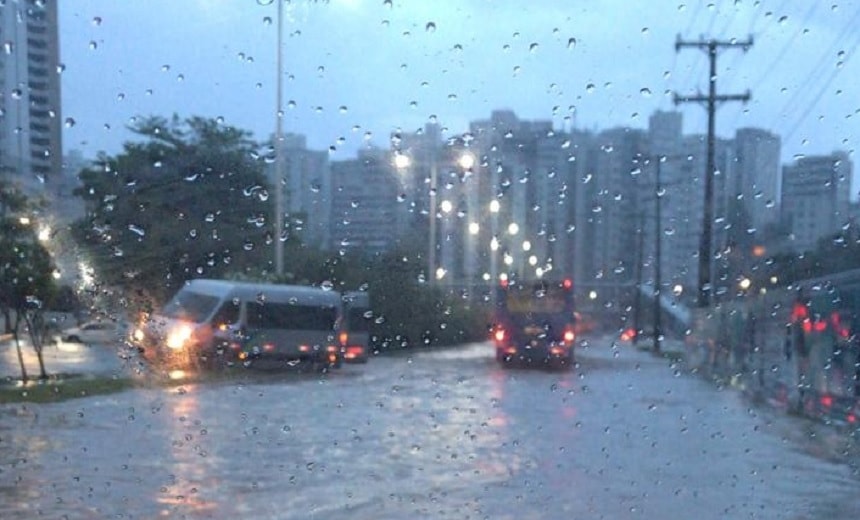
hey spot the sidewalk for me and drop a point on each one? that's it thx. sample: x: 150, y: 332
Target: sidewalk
x: 61, y: 358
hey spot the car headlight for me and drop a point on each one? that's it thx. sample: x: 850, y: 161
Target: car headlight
x: 179, y: 336
x: 138, y: 335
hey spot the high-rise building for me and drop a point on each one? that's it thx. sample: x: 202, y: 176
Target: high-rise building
x: 816, y: 194
x: 754, y: 179
x: 307, y: 190
x: 368, y: 214
x: 613, y: 200
x: 30, y: 116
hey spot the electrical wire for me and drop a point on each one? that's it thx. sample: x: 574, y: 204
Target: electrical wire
x: 820, y: 67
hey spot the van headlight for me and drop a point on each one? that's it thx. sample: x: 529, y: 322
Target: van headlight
x: 179, y: 336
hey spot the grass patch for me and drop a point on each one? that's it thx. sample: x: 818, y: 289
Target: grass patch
x: 61, y: 388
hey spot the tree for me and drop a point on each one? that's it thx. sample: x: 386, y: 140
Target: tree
x: 188, y: 199
x: 26, y: 275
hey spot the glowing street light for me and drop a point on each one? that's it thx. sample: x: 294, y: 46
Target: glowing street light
x: 494, y: 206
x: 446, y: 206
x: 474, y: 228
x: 494, y: 244
x: 466, y: 161
x: 513, y: 228
x: 527, y: 246
x: 44, y: 233
x: 401, y: 161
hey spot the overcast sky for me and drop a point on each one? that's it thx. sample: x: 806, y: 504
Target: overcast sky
x: 359, y: 66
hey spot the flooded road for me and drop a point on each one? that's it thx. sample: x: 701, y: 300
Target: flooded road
x: 444, y: 434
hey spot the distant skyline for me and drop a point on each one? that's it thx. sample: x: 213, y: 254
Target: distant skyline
x: 359, y: 70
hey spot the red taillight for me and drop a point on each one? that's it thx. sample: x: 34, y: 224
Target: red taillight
x: 500, y: 335
x: 628, y: 334
x: 569, y: 336
x: 827, y: 401
x: 567, y: 283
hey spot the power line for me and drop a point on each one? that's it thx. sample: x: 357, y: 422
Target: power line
x: 819, y: 94
x: 821, y: 65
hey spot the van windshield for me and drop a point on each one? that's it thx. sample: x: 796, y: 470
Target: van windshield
x: 187, y: 305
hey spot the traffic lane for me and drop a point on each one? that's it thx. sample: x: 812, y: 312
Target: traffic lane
x: 444, y: 433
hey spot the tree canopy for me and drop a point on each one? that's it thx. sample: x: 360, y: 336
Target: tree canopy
x: 187, y: 199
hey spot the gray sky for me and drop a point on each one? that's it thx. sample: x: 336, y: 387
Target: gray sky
x: 613, y: 60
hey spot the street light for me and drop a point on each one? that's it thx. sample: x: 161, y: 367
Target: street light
x: 466, y: 160
x: 401, y: 161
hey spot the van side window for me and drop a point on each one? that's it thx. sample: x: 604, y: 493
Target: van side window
x: 272, y: 315
x: 228, y: 314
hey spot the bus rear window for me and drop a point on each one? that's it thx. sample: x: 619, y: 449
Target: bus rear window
x: 292, y: 317
x: 538, y: 301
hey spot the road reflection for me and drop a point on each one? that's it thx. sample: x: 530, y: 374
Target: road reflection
x: 191, y: 467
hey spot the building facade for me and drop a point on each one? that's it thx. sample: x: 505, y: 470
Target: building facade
x: 307, y: 190
x: 816, y: 193
x: 30, y: 114
x: 369, y: 215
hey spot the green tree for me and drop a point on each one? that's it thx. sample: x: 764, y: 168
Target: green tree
x: 26, y: 275
x: 188, y: 199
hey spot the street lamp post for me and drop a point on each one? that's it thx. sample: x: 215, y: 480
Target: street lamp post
x: 279, y: 152
x: 431, y: 254
x: 495, y: 206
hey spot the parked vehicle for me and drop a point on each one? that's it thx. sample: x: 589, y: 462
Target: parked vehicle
x: 358, y: 316
x: 93, y: 332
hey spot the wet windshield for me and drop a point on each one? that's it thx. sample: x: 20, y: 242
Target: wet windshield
x: 493, y: 259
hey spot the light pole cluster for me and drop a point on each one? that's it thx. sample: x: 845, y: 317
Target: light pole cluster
x: 471, y: 224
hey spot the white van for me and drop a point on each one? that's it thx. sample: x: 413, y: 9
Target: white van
x: 218, y: 322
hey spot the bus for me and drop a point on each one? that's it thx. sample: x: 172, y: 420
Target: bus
x: 357, y: 318
x: 214, y: 323
x: 535, y: 323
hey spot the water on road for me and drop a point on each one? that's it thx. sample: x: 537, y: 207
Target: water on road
x: 442, y: 434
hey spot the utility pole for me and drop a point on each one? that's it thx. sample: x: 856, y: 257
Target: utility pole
x: 710, y: 46
x: 658, y: 261
x: 637, y: 302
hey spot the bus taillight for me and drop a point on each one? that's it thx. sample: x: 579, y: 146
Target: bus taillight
x: 500, y: 335
x: 569, y: 336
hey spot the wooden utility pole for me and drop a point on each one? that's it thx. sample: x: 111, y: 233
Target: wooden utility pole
x: 710, y: 102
